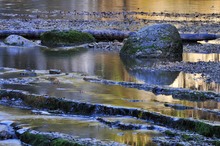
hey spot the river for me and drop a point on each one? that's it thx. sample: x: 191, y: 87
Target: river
x: 107, y: 65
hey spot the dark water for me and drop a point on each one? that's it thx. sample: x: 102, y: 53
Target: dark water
x: 180, y: 6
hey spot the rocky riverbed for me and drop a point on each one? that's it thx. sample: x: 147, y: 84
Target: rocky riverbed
x: 132, y: 21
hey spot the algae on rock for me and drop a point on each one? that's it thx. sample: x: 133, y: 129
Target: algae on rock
x: 160, y: 40
x: 56, y: 38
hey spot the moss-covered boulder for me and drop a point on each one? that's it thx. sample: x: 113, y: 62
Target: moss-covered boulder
x: 160, y: 40
x: 57, y: 38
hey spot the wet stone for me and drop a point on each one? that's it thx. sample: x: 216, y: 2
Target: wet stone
x: 54, y: 71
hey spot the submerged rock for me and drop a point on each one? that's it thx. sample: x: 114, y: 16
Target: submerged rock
x: 65, y: 38
x: 16, y: 40
x: 160, y: 40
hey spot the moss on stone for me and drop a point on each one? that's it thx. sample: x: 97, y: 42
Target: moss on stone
x: 65, y: 38
x: 216, y: 143
x: 35, y: 139
x: 204, y: 129
x: 45, y: 140
x: 169, y: 133
x: 160, y: 40
x: 186, y: 137
x: 63, y: 142
x: 128, y: 48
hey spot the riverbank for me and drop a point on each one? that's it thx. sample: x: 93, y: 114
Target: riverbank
x: 132, y: 21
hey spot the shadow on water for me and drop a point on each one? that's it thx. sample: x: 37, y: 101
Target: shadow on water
x: 133, y: 66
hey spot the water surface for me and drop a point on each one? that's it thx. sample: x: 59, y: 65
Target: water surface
x: 180, y: 6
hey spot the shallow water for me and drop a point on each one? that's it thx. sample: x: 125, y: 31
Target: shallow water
x: 181, y: 6
x: 110, y: 66
x: 107, y: 65
x: 88, y: 126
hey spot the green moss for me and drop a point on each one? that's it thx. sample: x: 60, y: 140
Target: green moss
x: 216, y: 143
x: 65, y: 38
x: 204, y: 129
x: 44, y: 140
x: 129, y: 50
x: 140, y: 115
x: 169, y: 133
x: 186, y: 137
x: 63, y: 142
x: 35, y: 139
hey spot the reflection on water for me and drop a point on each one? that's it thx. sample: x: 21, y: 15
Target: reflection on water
x: 118, y: 96
x: 88, y: 127
x: 195, y: 57
x: 194, y: 82
x: 107, y: 65
x: 91, y: 129
x: 181, y: 6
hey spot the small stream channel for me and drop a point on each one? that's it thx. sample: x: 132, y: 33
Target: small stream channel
x: 107, y: 65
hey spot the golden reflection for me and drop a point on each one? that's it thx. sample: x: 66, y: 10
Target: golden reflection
x: 194, y: 82
x: 195, y: 57
x: 180, y: 6
x: 135, y: 139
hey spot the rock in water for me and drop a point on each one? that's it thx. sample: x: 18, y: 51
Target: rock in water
x: 57, y: 38
x: 16, y: 40
x: 160, y: 40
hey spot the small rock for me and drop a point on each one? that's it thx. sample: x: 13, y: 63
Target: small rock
x: 16, y: 40
x: 54, y: 71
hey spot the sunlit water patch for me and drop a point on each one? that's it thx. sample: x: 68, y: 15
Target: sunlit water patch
x: 54, y: 8
x: 196, y: 57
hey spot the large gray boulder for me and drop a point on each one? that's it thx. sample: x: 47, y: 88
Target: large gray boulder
x: 16, y: 40
x: 156, y: 41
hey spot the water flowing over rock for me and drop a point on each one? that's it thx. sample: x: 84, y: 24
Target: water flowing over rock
x: 88, y: 109
x: 16, y: 40
x: 160, y: 40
